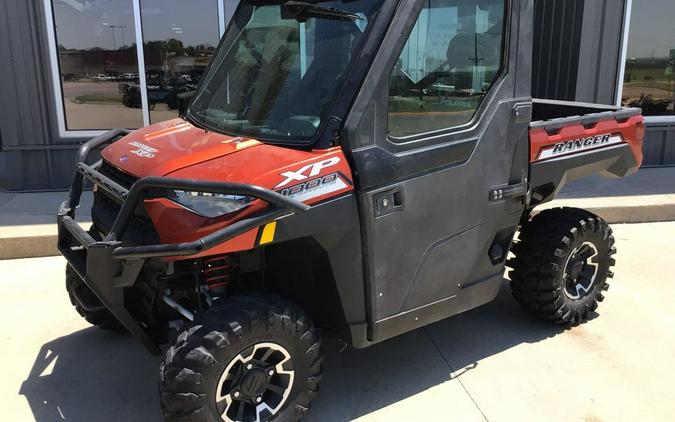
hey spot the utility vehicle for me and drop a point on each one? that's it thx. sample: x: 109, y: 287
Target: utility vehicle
x: 359, y: 167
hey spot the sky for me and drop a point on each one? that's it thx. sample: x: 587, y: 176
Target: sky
x: 652, y: 28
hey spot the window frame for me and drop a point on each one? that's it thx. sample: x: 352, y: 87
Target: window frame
x: 480, y: 110
x: 628, y: 12
x: 65, y: 134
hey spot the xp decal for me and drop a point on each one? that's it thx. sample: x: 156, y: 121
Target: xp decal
x: 581, y: 144
x: 314, y: 170
x: 143, y: 150
x: 316, y: 187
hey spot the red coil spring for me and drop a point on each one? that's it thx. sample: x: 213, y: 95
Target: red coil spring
x: 219, y: 271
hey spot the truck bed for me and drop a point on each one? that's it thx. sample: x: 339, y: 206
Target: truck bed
x: 570, y: 140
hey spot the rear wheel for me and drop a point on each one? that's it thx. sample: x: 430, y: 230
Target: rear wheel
x: 561, y: 266
x: 94, y: 313
x: 250, y: 358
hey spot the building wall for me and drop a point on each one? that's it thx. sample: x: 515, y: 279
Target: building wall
x: 26, y: 121
x: 555, y: 51
x: 600, y: 51
x: 659, y: 149
x: 577, y: 53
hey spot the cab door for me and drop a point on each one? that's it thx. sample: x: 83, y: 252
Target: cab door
x: 438, y: 138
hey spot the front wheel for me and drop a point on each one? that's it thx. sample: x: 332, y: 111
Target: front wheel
x: 562, y: 262
x: 78, y: 291
x: 250, y: 358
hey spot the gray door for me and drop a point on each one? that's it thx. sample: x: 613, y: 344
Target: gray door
x: 437, y: 142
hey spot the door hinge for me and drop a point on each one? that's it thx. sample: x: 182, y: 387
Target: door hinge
x: 522, y: 112
x: 510, y: 191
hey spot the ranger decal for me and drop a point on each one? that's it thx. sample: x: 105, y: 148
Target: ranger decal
x: 578, y: 145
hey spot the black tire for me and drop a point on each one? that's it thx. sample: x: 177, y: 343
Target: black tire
x: 561, y: 265
x: 100, y: 318
x: 194, y: 364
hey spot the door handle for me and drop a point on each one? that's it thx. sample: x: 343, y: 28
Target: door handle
x: 388, y: 201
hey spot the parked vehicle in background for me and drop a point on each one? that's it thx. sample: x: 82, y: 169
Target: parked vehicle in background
x: 103, y: 77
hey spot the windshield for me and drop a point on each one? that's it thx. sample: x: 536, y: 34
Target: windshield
x: 280, y: 66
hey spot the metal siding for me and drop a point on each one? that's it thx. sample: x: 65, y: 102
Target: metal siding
x: 9, y: 131
x: 668, y: 157
x: 63, y: 162
x: 659, y: 146
x: 600, y: 51
x: 555, y: 53
x: 24, y: 85
x: 35, y: 157
x: 28, y: 170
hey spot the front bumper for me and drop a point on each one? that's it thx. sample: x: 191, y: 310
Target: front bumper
x: 108, y: 266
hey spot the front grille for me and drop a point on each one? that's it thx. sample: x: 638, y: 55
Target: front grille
x: 140, y: 230
x: 124, y: 179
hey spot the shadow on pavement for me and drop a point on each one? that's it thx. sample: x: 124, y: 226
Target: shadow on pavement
x: 94, y: 375
x: 358, y: 382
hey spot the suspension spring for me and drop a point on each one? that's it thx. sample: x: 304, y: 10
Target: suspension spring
x: 218, y: 272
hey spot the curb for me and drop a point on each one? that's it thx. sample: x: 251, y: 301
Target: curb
x: 636, y: 214
x: 28, y: 247
x: 630, y: 213
x: 43, y: 244
x: 30, y: 241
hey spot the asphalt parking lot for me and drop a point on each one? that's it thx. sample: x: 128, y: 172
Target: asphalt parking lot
x: 494, y: 363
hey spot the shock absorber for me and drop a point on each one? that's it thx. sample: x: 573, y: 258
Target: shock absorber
x: 219, y: 272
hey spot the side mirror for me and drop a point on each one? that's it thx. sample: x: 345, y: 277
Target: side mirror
x: 184, y: 99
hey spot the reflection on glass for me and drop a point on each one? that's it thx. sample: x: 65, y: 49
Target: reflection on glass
x: 97, y: 58
x: 451, y: 59
x: 179, y: 38
x: 279, y: 67
x: 649, y: 82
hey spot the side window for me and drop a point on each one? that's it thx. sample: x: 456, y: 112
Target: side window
x: 450, y: 61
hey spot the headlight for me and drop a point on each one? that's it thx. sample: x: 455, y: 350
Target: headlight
x: 210, y: 205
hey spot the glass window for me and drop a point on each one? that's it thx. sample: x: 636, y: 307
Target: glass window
x: 452, y: 57
x: 179, y: 38
x: 280, y: 66
x: 649, y: 82
x: 97, y: 57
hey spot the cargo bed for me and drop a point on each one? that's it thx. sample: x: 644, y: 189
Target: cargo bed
x: 570, y: 140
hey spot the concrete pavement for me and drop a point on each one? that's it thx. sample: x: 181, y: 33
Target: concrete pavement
x: 647, y: 196
x: 494, y: 363
x: 28, y: 222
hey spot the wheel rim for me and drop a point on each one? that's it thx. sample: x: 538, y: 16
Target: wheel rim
x: 256, y: 384
x: 581, y: 270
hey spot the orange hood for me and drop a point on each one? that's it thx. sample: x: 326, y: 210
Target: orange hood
x: 176, y: 148
x: 165, y: 147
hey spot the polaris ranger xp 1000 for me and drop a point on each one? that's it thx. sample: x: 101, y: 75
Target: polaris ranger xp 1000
x: 356, y: 166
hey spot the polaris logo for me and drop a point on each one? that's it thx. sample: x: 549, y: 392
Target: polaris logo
x: 577, y: 145
x: 314, y: 170
x: 143, y: 150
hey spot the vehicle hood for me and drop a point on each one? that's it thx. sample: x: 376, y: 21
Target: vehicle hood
x: 178, y: 149
x: 165, y: 147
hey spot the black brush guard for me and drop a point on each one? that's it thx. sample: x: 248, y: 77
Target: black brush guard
x: 107, y: 266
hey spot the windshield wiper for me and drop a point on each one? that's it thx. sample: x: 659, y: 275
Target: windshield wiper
x: 312, y: 9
